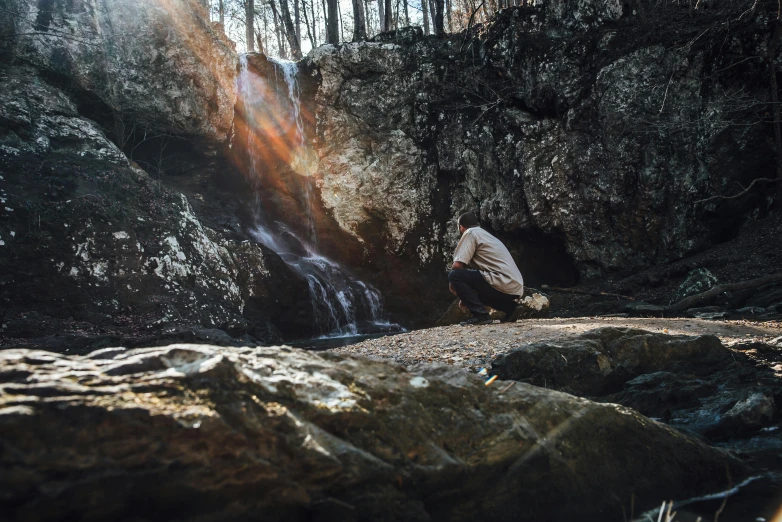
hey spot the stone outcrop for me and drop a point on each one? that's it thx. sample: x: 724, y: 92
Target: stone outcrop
x: 191, y: 432
x: 582, y: 133
x: 693, y: 383
x: 94, y: 250
x: 105, y: 251
x: 156, y: 66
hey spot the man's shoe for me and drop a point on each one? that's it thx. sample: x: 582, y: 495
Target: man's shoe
x: 512, y: 315
x: 477, y: 320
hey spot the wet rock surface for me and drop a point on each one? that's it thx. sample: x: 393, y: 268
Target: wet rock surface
x: 105, y: 252
x: 194, y: 432
x: 121, y: 218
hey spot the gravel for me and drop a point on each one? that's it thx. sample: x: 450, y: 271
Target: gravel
x: 474, y: 347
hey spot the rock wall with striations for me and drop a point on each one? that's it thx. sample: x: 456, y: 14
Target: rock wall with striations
x: 585, y: 134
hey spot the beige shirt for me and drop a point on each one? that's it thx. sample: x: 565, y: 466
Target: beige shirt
x: 488, y: 255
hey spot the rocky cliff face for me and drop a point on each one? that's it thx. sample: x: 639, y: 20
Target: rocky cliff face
x: 153, y: 64
x: 585, y: 134
x: 92, y: 246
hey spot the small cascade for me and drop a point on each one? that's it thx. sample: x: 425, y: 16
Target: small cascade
x: 342, y: 305
x: 302, y: 158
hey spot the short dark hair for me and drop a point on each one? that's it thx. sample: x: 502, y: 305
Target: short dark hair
x: 468, y: 220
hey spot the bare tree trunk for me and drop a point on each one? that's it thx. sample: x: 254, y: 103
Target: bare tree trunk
x: 359, y: 22
x: 249, y: 22
x: 324, y: 16
x: 433, y: 15
x: 307, y: 23
x: 389, y: 12
x: 773, y: 49
x: 381, y: 17
x: 221, y: 13
x: 332, y: 22
x: 425, y: 12
x: 314, y: 24
x: 280, y: 46
x: 448, y: 9
x: 290, y: 31
x: 438, y: 17
x: 297, y: 24
x: 407, y: 13
x: 341, y: 24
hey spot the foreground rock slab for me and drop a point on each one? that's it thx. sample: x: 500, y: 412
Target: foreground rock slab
x: 189, y: 432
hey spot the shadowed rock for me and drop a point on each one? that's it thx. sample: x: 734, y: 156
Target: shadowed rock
x: 691, y: 382
x: 188, y: 432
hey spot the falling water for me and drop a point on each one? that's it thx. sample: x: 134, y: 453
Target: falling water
x: 301, y: 162
x: 341, y: 304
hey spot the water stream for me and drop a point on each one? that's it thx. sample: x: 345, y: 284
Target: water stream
x: 342, y: 305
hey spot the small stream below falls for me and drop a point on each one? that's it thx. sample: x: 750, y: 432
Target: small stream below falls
x: 343, y: 306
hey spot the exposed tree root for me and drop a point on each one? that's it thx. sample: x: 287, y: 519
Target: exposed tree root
x: 694, y: 300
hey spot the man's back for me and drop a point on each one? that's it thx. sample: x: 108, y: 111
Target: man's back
x: 491, y: 258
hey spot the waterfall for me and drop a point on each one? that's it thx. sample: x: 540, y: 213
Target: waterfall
x: 342, y: 305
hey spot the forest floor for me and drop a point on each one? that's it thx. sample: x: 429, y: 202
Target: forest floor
x: 474, y: 347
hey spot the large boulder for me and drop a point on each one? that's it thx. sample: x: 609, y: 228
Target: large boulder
x: 102, y: 250
x: 156, y: 67
x: 191, y: 432
x: 691, y: 382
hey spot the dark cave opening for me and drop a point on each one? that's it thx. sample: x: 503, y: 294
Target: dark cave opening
x: 542, y: 258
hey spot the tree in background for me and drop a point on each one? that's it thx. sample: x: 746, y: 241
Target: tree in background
x: 359, y: 22
x: 290, y: 28
x: 249, y: 9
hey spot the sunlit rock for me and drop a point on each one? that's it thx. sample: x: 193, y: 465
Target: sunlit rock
x: 156, y: 64
x: 200, y: 432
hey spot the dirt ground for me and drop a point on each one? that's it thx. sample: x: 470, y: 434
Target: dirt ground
x: 474, y: 347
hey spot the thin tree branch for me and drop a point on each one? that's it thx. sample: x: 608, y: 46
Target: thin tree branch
x: 743, y: 192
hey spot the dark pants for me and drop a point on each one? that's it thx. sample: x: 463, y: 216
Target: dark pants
x: 475, y: 292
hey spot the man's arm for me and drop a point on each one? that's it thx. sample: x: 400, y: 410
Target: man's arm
x: 464, y: 252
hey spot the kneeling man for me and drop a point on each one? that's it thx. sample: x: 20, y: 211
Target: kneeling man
x: 483, y: 273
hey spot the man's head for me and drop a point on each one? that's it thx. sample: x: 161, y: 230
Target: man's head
x: 467, y: 220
